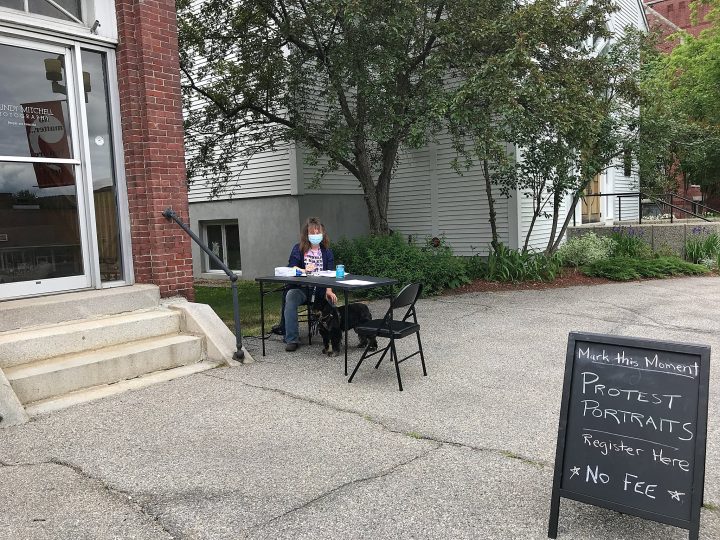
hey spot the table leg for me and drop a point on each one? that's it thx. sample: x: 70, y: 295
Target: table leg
x: 262, y: 317
x: 346, y: 326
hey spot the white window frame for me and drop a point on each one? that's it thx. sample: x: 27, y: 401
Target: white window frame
x: 206, y: 258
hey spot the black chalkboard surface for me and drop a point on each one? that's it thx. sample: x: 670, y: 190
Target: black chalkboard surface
x: 632, y: 430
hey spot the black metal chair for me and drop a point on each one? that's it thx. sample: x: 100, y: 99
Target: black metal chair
x: 392, y: 329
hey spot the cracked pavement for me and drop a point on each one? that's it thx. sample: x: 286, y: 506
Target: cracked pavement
x: 285, y: 448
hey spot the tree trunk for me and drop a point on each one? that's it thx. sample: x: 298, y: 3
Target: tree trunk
x: 568, y: 217
x: 491, y: 206
x: 557, y: 196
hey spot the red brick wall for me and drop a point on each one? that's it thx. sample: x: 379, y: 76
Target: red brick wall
x: 151, y: 111
x: 677, y: 12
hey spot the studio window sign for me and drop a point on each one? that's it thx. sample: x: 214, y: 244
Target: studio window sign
x: 47, y: 138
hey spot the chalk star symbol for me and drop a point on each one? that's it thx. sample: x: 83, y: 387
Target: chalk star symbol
x: 575, y: 471
x: 675, y: 494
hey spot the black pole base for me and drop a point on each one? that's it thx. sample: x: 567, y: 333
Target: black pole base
x: 239, y: 355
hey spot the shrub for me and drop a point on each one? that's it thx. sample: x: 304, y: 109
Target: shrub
x: 511, y: 265
x: 585, y: 249
x: 629, y: 242
x: 628, y: 268
x: 390, y: 256
x: 701, y: 246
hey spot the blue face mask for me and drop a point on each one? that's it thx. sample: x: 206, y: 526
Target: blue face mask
x: 315, y: 239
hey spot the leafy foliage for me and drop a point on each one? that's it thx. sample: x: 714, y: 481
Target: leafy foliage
x: 351, y: 80
x: 628, y: 268
x: 680, y: 124
x: 699, y: 248
x: 585, y: 249
x: 506, y: 264
x: 629, y: 242
x: 391, y: 256
x: 547, y: 77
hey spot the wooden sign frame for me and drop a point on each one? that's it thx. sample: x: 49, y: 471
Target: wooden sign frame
x: 698, y: 478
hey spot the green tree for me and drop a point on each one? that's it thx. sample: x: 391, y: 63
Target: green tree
x: 351, y: 80
x: 680, y: 121
x: 547, y: 78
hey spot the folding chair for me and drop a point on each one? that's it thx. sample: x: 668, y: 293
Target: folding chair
x: 392, y: 329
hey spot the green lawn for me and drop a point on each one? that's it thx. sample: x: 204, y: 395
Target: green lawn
x: 220, y: 299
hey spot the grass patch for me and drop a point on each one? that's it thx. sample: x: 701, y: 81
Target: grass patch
x: 627, y: 268
x: 220, y: 299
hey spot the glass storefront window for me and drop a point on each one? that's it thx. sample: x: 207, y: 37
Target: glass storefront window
x: 34, y: 118
x: 13, y: 4
x: 67, y: 10
x: 102, y: 165
x: 39, y: 223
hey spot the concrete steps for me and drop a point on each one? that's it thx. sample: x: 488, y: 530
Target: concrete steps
x: 58, y: 351
x: 52, y: 377
x: 93, y: 393
x: 24, y: 346
x: 61, y: 308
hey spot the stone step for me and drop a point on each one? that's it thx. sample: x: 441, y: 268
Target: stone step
x: 40, y: 343
x: 60, y: 308
x: 44, y: 379
x: 77, y: 397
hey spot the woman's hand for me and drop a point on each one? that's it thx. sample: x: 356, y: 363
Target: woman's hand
x: 331, y: 297
x: 310, y: 267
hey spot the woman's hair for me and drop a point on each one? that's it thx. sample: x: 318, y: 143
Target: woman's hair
x: 312, y: 222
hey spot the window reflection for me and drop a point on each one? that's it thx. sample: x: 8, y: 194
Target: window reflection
x: 102, y: 166
x: 39, y: 226
x: 34, y: 118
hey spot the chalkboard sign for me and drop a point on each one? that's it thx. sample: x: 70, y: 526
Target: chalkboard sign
x: 632, y: 431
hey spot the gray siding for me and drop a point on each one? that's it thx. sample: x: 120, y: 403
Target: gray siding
x: 428, y: 198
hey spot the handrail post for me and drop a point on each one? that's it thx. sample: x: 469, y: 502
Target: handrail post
x: 239, y: 354
x: 640, y: 207
x: 619, y: 200
x: 672, y: 213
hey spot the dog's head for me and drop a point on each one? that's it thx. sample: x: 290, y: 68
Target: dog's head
x: 327, y: 314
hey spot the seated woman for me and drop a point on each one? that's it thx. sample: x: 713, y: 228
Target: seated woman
x: 313, y: 255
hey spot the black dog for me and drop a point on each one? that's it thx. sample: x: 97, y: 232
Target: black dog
x: 332, y: 323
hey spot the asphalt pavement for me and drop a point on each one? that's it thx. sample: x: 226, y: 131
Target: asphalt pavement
x: 286, y: 448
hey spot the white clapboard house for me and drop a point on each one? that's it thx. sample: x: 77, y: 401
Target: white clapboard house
x: 254, y: 223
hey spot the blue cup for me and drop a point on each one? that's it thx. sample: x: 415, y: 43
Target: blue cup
x: 340, y: 271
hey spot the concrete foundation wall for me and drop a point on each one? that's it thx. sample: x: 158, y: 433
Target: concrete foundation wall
x: 666, y: 237
x: 269, y: 226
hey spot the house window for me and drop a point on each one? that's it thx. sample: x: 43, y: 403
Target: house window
x: 627, y: 162
x: 223, y: 239
x: 67, y: 10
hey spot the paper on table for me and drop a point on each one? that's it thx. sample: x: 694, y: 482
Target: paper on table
x: 356, y: 282
x: 325, y: 273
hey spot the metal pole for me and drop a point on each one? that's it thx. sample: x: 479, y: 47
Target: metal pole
x: 170, y: 214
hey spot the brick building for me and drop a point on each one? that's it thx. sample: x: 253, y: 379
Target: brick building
x: 91, y: 143
x: 91, y: 152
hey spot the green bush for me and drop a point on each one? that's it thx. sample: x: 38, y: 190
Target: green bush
x: 628, y: 268
x: 390, y: 256
x: 585, y: 249
x: 513, y: 265
x: 701, y: 247
x: 629, y: 242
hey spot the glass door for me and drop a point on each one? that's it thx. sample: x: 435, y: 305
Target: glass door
x: 43, y: 222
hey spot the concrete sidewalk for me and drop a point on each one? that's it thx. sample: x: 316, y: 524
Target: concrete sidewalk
x: 285, y: 448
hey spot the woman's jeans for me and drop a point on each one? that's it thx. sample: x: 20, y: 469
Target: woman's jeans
x: 293, y: 300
